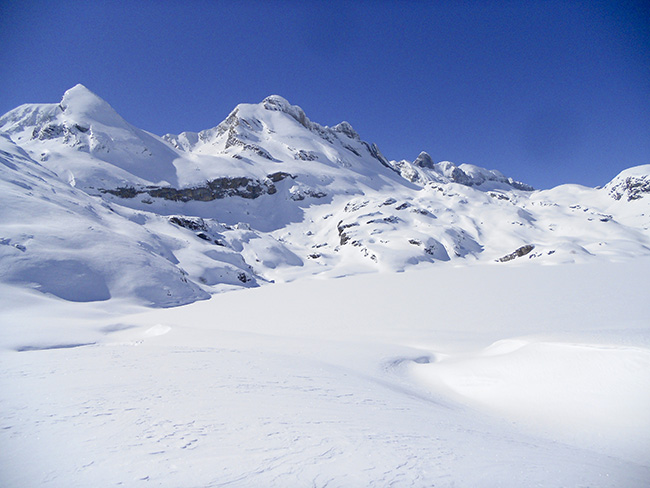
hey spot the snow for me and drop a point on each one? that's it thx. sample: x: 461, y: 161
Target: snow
x: 573, y: 392
x: 371, y: 334
x: 433, y: 376
x: 81, y: 104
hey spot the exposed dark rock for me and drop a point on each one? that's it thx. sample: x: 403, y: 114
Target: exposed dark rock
x: 279, y: 104
x: 431, y: 250
x: 374, y: 152
x: 123, y: 192
x: 522, y: 251
x: 635, y: 187
x: 306, y: 155
x: 201, y: 194
x: 323, y: 133
x: 279, y: 176
x: 233, y: 140
x: 518, y: 185
x: 457, y: 175
x: 72, y: 135
x: 192, y: 223
x: 405, y: 170
x: 352, y: 150
x: 386, y: 220
x: 302, y: 193
x: 460, y: 177
x: 344, y: 237
x: 50, y: 131
x: 499, y: 196
x: 342, y: 226
x: 423, y: 161
x: 354, y: 206
x: 213, y: 190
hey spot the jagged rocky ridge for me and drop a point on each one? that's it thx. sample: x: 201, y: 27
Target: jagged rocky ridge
x: 267, y: 195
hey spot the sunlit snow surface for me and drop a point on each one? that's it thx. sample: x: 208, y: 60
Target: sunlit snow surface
x: 483, y: 375
x: 392, y: 350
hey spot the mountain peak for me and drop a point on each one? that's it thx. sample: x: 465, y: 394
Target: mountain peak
x: 424, y: 161
x: 78, y: 89
x: 80, y: 102
x: 80, y: 95
x: 345, y: 128
x: 276, y: 101
x: 281, y: 104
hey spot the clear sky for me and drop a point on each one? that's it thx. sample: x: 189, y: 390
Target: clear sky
x: 547, y: 92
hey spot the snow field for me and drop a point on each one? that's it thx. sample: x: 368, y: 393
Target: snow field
x: 446, y: 376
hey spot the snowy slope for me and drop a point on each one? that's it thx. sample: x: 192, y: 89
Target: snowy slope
x: 269, y: 195
x: 62, y: 241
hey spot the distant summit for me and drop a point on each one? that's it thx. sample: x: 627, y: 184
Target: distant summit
x: 82, y: 104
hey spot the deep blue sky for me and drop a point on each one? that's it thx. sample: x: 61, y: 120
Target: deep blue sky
x: 548, y: 92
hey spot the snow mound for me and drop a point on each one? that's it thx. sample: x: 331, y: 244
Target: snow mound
x: 570, y: 390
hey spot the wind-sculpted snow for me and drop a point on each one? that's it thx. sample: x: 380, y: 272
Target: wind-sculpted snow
x: 281, y: 197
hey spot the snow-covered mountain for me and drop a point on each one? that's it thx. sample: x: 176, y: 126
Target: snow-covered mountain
x: 94, y: 207
x: 504, y: 374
